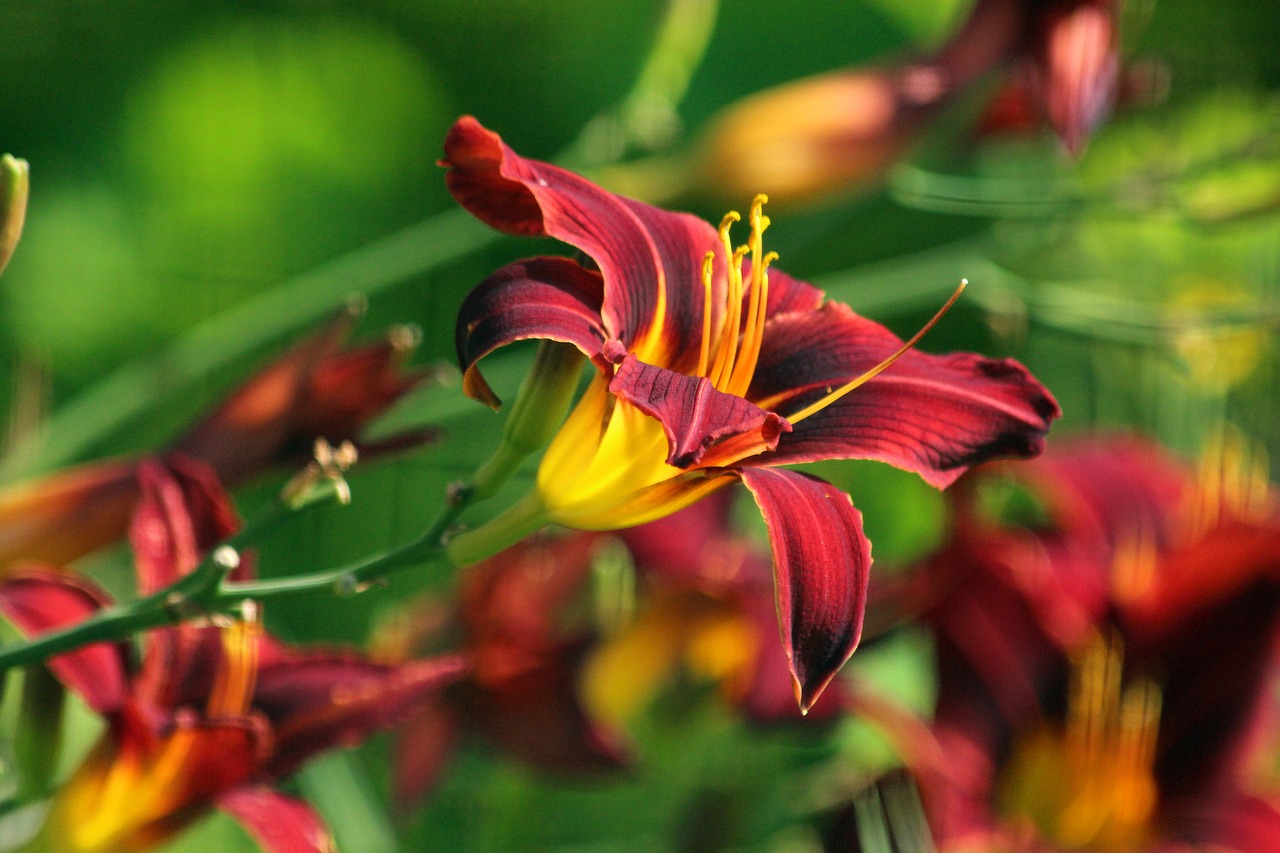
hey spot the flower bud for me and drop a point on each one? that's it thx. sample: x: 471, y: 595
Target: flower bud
x: 815, y: 138
x: 14, y: 183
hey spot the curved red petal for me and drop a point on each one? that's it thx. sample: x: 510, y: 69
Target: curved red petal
x: 315, y: 701
x: 182, y: 513
x: 692, y: 412
x: 279, y: 823
x: 934, y: 415
x: 38, y: 601
x: 650, y: 259
x: 821, y: 562
x: 551, y: 298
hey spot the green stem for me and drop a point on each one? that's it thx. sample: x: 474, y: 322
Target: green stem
x: 525, y: 517
x: 206, y: 590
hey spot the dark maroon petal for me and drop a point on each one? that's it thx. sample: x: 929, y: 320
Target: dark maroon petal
x: 424, y: 746
x: 40, y: 601
x: 821, y: 562
x: 692, y: 412
x: 280, y: 824
x: 678, y: 548
x: 1101, y: 490
x: 315, y: 701
x: 934, y: 415
x: 534, y: 715
x: 315, y: 389
x: 1211, y: 633
x: 1240, y: 823
x: 183, y: 512
x: 550, y: 298
x: 650, y: 259
x: 771, y: 697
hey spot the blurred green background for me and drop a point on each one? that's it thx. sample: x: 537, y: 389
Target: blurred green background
x: 190, y: 157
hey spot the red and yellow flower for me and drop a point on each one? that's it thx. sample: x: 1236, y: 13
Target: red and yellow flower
x: 317, y: 389
x: 214, y: 714
x: 1107, y: 672
x: 713, y: 368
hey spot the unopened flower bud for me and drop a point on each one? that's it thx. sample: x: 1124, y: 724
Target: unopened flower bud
x: 815, y: 138
x: 14, y: 184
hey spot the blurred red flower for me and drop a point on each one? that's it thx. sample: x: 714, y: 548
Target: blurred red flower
x: 215, y: 713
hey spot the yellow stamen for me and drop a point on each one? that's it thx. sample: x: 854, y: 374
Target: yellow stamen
x: 753, y: 334
x: 814, y: 408
x: 708, y: 271
x: 1133, y: 564
x: 1233, y: 479
x: 719, y: 375
x: 1089, y: 785
x: 238, y: 671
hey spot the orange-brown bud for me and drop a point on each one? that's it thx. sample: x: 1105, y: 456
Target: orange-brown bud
x: 815, y: 138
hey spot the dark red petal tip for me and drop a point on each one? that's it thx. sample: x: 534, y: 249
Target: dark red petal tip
x: 821, y: 563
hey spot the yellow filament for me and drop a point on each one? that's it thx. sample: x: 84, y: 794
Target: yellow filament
x: 720, y: 373
x: 238, y: 671
x: 753, y: 334
x: 708, y: 270
x: 1233, y: 478
x: 1133, y: 566
x: 1089, y: 786
x: 835, y: 395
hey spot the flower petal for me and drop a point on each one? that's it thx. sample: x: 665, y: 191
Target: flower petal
x: 1211, y: 628
x: 316, y: 389
x: 535, y: 715
x: 1076, y: 66
x: 786, y: 293
x: 424, y: 745
x: 651, y: 259
x: 183, y: 512
x: 692, y: 412
x: 552, y: 298
x: 69, y: 513
x: 934, y: 415
x: 821, y: 562
x: 280, y: 824
x: 316, y: 701
x: 40, y: 601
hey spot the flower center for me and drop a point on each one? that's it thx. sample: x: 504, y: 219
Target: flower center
x: 1088, y: 784
x: 738, y: 347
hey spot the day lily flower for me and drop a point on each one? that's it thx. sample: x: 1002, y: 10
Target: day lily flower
x: 512, y: 620
x: 1106, y: 672
x: 316, y: 389
x: 215, y: 713
x: 712, y: 369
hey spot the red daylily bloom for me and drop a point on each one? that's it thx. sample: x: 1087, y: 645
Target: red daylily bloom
x: 214, y: 714
x: 316, y: 389
x: 1106, y: 675
x: 713, y: 370
x: 520, y: 694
